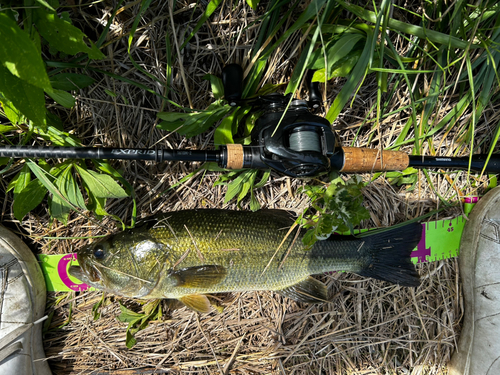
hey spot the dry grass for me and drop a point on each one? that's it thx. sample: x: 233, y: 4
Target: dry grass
x: 370, y: 327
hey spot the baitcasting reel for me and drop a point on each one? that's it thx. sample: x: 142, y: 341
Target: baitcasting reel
x: 290, y: 140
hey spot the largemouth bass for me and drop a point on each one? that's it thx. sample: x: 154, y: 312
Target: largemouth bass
x: 187, y: 254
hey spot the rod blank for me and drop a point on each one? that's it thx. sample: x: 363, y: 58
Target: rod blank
x: 157, y: 155
x: 476, y: 164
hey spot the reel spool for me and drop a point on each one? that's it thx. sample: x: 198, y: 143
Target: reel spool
x: 302, y: 139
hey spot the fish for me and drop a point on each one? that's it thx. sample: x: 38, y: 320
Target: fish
x: 189, y: 254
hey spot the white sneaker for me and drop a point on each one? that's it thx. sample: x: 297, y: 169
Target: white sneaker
x: 22, y: 304
x: 478, y: 350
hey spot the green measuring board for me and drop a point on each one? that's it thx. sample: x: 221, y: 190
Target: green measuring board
x: 55, y: 271
x: 440, y: 240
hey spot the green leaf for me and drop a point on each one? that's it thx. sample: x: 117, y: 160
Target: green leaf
x: 344, y: 67
x: 138, y: 321
x: 45, y: 4
x: 339, y: 206
x: 6, y: 128
x: 336, y: 50
x: 97, y: 204
x: 63, y: 98
x: 62, y: 35
x: 254, y: 203
x: 111, y: 93
x: 43, y: 176
x: 69, y: 188
x: 342, y: 48
x: 263, y: 180
x: 54, y: 134
x: 14, y: 181
x: 247, y: 183
x: 22, y: 180
x: 59, y: 209
x: 130, y: 340
x: 97, y: 307
x: 253, y: 3
x: 27, y: 98
x: 4, y: 161
x: 224, y: 133
x: 106, y: 168
x: 233, y: 188
x: 269, y: 88
x: 29, y: 198
x: 174, y: 116
x: 309, y: 238
x: 58, y: 205
x: 14, y: 116
x: 221, y: 180
x: 358, y: 73
x: 191, y: 124
x: 216, y: 84
x: 240, y: 186
x: 319, y: 75
x: 340, y: 68
x: 129, y: 316
x: 101, y: 185
x: 70, y: 81
x: 20, y: 57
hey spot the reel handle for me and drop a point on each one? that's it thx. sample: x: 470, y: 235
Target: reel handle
x: 232, y: 80
x: 315, y: 98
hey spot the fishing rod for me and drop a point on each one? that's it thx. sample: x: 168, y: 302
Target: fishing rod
x: 303, y: 145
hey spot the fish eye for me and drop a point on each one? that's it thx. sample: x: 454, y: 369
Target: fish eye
x: 99, y: 253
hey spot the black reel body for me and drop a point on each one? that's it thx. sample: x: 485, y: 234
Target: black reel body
x: 296, y: 142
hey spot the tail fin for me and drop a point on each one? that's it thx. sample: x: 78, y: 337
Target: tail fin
x: 389, y: 255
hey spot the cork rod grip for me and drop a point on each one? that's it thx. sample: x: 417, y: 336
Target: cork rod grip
x: 235, y: 156
x: 358, y: 160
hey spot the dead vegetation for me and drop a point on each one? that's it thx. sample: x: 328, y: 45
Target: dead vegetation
x: 370, y: 327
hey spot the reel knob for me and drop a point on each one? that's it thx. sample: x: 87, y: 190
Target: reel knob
x: 315, y: 98
x: 232, y: 80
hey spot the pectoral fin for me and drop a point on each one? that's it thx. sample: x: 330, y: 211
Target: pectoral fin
x: 199, y: 277
x: 309, y: 290
x: 196, y: 302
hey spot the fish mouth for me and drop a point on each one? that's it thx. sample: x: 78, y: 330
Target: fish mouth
x: 87, y: 275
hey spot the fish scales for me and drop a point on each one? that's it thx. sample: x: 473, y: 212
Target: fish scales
x: 196, y: 252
